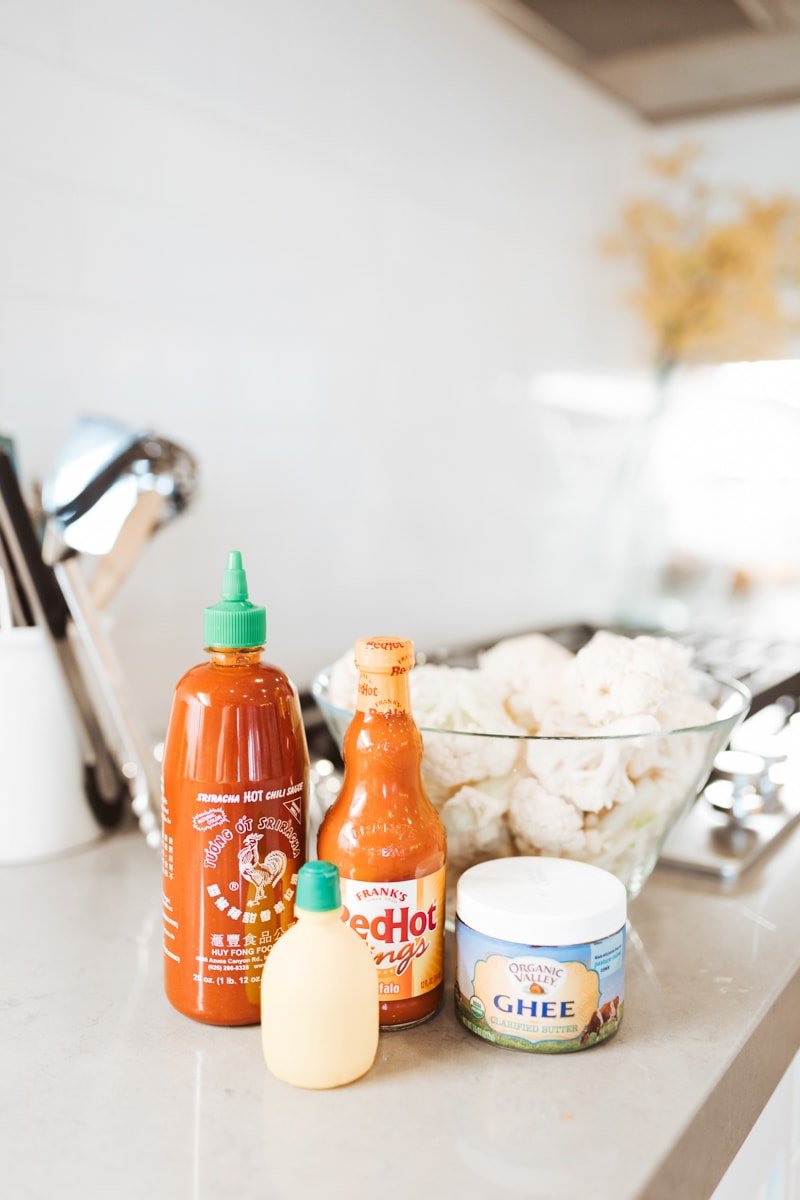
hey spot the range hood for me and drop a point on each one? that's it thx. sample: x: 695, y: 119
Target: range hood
x: 670, y: 59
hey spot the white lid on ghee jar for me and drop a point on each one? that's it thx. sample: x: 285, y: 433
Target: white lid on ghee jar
x: 541, y: 901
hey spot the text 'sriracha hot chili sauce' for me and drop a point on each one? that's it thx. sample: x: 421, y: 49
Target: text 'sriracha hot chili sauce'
x: 386, y: 838
x: 234, y: 815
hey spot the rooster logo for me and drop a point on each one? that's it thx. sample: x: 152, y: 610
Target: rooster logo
x: 262, y: 874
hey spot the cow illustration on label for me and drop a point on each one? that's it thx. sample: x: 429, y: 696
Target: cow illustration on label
x: 261, y: 874
x: 608, y: 1014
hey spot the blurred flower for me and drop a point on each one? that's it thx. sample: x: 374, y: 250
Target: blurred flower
x: 719, y: 271
x: 675, y: 165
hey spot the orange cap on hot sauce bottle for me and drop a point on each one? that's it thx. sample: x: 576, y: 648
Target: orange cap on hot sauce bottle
x: 387, y: 840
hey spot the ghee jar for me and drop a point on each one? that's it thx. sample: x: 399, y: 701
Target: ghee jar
x: 540, y: 953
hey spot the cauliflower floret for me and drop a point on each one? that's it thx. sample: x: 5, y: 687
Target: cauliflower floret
x: 343, y: 686
x: 684, y: 753
x: 521, y: 661
x: 454, y: 759
x: 636, y: 752
x: 657, y: 795
x: 684, y: 712
x: 532, y: 670
x: 629, y: 835
x: 547, y: 824
x: 436, y: 792
x: 590, y: 774
x: 456, y: 698
x: 668, y: 659
x: 616, y: 676
x: 475, y: 822
x: 453, y: 698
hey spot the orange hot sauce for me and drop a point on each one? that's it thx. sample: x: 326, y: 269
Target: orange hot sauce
x: 234, y: 815
x: 386, y: 838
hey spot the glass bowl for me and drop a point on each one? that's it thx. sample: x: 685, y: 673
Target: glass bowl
x: 528, y: 794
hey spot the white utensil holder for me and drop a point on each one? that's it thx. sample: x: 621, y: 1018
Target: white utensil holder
x: 43, y: 806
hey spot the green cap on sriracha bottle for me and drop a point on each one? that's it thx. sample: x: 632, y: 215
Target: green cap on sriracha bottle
x: 234, y: 623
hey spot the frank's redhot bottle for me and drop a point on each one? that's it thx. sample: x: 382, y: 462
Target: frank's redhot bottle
x: 387, y: 840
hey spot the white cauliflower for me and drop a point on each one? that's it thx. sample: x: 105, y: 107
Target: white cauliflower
x: 454, y: 759
x: 436, y: 792
x: 636, y: 752
x: 590, y: 773
x: 475, y: 822
x: 615, y: 676
x: 546, y: 824
x: 670, y: 660
x: 532, y: 670
x: 684, y: 752
x: 685, y: 712
x: 456, y: 699
x: 629, y: 835
x: 657, y: 794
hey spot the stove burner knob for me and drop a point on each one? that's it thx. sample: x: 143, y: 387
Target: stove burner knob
x: 736, y: 791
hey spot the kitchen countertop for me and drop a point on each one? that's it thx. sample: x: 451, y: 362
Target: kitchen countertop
x: 106, y: 1091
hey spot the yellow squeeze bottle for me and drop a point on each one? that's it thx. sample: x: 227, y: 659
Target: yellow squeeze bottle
x: 319, y: 991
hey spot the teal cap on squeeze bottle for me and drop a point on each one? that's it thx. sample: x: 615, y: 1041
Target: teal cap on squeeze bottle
x: 234, y: 623
x: 318, y: 887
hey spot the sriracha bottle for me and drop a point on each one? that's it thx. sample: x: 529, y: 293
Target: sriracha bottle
x: 234, y: 815
x: 387, y: 840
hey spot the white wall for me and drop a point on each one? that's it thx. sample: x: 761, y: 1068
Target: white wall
x: 324, y: 243
x: 314, y: 241
x: 758, y: 149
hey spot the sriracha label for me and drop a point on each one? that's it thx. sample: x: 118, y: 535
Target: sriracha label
x: 402, y: 922
x: 230, y: 862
